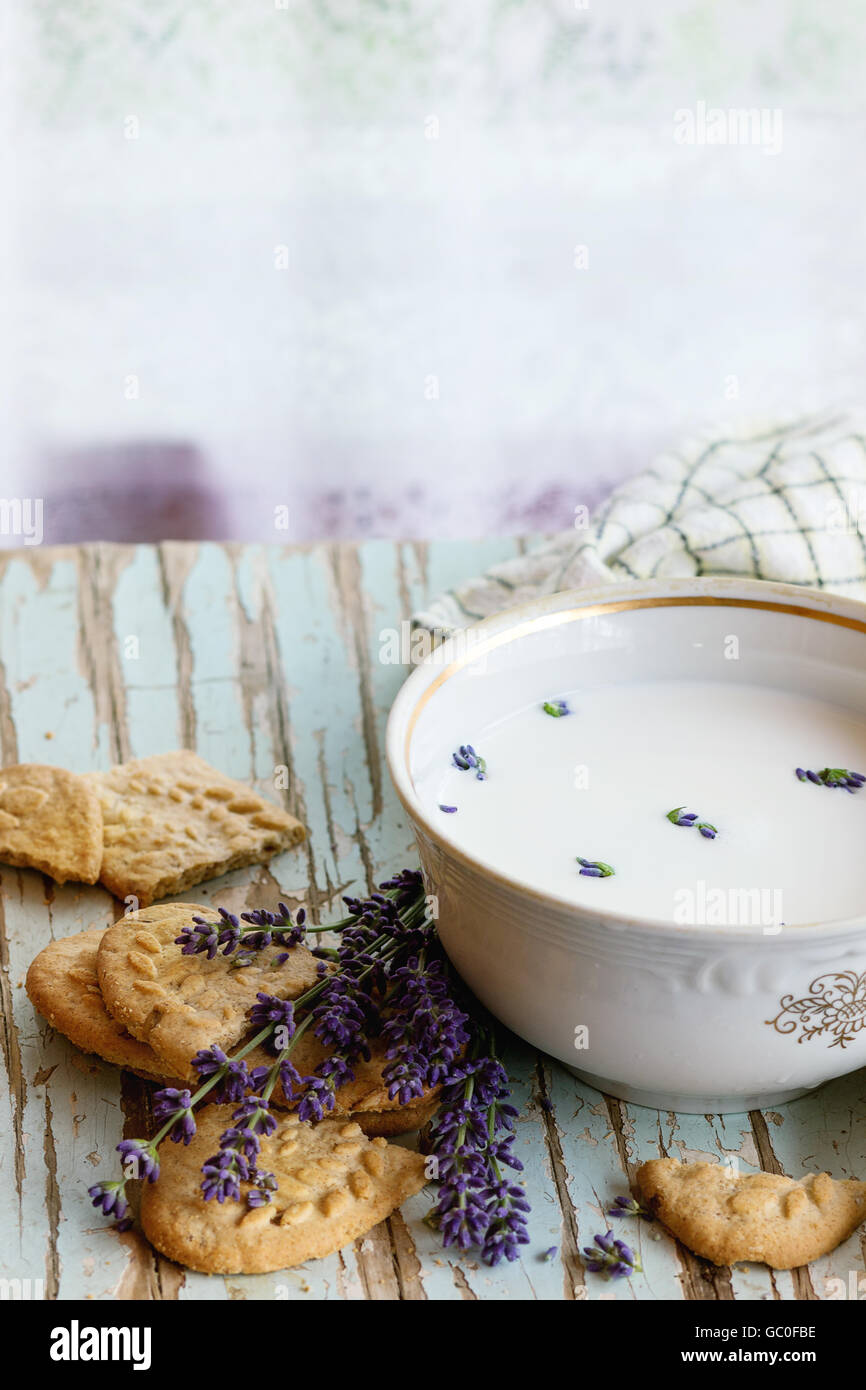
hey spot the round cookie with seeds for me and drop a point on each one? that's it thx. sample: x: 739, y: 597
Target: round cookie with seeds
x: 334, y: 1184
x: 764, y: 1217
x: 62, y: 984
x: 179, y: 1004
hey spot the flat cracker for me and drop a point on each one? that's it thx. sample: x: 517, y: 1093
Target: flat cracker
x: 50, y: 820
x: 171, y: 821
x: 334, y: 1185
x: 763, y: 1217
x: 179, y: 1004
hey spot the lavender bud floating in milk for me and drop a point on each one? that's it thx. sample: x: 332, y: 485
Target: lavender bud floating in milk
x: 597, y: 787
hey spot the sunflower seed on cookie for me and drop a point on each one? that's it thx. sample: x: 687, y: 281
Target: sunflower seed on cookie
x: 334, y: 1184
x: 180, y: 1004
x: 171, y: 821
x: 50, y: 820
x: 727, y: 1217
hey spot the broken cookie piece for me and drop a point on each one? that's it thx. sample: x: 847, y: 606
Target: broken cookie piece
x: 50, y: 820
x: 333, y: 1185
x: 171, y: 821
x: 727, y: 1217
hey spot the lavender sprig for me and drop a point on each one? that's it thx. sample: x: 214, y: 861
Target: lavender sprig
x: 833, y: 777
x: 260, y: 929
x: 392, y: 978
x: 595, y: 868
x: 629, y: 1206
x: 611, y: 1258
x: 472, y: 1138
x: 691, y: 821
x: 466, y: 758
x: 423, y: 1029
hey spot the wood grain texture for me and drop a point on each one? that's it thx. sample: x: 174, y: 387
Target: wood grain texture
x: 261, y: 659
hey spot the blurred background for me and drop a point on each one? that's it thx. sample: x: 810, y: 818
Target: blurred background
x: 289, y: 269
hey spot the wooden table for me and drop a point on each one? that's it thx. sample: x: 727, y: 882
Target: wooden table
x: 260, y: 657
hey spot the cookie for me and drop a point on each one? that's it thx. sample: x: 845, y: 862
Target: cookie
x: 334, y: 1184
x: 50, y: 820
x: 179, y: 1004
x: 62, y: 984
x: 763, y: 1217
x: 171, y: 821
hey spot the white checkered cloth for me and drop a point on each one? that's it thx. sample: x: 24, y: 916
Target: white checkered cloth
x: 786, y: 503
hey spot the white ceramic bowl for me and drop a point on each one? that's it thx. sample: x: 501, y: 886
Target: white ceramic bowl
x: 679, y: 1017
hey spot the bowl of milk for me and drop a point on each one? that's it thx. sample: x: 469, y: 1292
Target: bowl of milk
x: 641, y: 815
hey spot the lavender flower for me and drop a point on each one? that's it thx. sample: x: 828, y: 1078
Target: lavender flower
x: 110, y: 1198
x: 612, y: 1258
x: 690, y: 820
x: 223, y: 1175
x: 341, y: 1016
x: 226, y: 934
x: 424, y: 1031
x: 556, y: 708
x: 235, y: 1163
x: 506, y: 1210
x: 140, y: 1156
x: 833, y: 777
x: 175, y: 1107
x: 254, y: 1114
x: 466, y: 758
x: 594, y: 868
x: 232, y: 1076
x: 629, y: 1206
x: 279, y: 1013
x: 318, y: 1099
x: 471, y: 1139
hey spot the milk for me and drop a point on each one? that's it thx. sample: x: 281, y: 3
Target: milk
x: 599, y: 782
